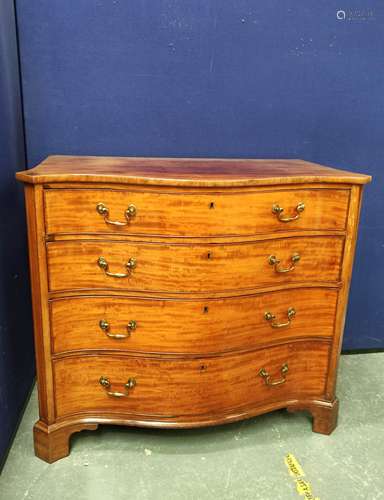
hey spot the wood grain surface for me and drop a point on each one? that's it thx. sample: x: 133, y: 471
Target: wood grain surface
x: 183, y: 214
x: 182, y: 268
x: 191, y: 326
x: 189, y: 387
x: 185, y: 171
x: 39, y: 291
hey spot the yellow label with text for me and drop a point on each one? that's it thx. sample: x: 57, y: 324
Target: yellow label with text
x: 293, y: 465
x: 303, y: 487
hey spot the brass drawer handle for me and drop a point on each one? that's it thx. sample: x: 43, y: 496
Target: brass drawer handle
x: 278, y: 211
x: 274, y: 261
x: 105, y: 326
x: 267, y: 378
x: 103, y: 264
x: 104, y: 382
x: 270, y: 317
x: 103, y: 210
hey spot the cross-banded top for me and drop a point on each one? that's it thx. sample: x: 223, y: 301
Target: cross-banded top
x: 209, y: 172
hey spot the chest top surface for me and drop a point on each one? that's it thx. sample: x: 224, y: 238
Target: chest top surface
x: 203, y: 172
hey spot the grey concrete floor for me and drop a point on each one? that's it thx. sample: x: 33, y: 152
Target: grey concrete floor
x: 238, y: 461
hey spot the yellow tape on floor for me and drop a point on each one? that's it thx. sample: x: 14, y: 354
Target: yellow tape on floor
x: 296, y: 471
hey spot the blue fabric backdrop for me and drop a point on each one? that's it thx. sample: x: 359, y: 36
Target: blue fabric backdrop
x: 241, y: 78
x: 16, y: 346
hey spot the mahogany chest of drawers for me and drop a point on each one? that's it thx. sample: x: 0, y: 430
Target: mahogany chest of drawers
x: 186, y: 292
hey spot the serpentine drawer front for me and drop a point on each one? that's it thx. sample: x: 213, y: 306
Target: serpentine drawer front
x: 199, y: 326
x: 193, y: 214
x: 186, y: 292
x: 192, y: 267
x: 178, y: 388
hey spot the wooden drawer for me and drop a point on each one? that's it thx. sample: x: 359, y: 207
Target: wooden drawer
x: 73, y: 265
x: 190, y: 326
x: 166, y: 387
x: 183, y: 214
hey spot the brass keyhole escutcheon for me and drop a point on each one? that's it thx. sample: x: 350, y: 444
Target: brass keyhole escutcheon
x: 212, y: 205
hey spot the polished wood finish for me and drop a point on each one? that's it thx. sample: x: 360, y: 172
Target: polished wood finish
x: 200, y: 172
x: 189, y: 387
x: 39, y: 288
x: 191, y: 326
x: 324, y: 414
x: 194, y: 214
x: 183, y: 268
x: 202, y: 236
x: 52, y: 442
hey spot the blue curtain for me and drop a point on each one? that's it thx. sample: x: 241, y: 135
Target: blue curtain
x: 16, y: 346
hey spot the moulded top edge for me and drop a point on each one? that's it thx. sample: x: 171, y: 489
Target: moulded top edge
x: 201, y: 172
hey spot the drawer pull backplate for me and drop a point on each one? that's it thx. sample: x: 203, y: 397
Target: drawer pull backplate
x: 105, y: 326
x: 278, y: 211
x: 103, y: 264
x: 267, y: 378
x: 275, y: 324
x: 104, y: 382
x: 103, y: 210
x: 274, y: 261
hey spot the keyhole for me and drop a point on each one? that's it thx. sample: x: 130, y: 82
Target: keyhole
x: 212, y: 204
x: 209, y: 255
x: 205, y: 309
